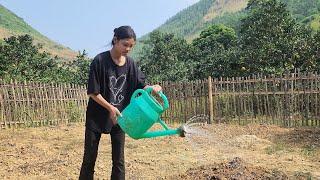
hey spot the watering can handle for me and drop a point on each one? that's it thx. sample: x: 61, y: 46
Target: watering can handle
x: 163, y: 97
x: 165, y: 100
x: 134, y: 95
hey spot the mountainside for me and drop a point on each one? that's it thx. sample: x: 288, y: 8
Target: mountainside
x: 189, y: 22
x: 11, y: 24
x: 192, y: 20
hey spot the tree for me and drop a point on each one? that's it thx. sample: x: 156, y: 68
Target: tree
x: 80, y: 68
x: 269, y: 38
x: 216, y: 48
x: 316, y: 50
x: 21, y: 60
x: 166, y: 58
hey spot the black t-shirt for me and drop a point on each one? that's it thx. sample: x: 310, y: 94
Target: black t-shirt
x: 115, y: 83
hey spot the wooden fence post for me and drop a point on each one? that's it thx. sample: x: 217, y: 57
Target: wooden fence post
x: 210, y: 99
x: 3, y: 123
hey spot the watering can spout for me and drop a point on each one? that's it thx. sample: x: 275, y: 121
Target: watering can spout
x: 179, y: 131
x: 160, y: 133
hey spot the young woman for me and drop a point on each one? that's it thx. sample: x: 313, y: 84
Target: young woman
x: 113, y: 78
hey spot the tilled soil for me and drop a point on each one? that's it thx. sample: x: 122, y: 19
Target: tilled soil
x: 217, y: 151
x: 234, y: 169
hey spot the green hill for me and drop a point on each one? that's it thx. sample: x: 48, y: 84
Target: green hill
x: 192, y: 20
x: 305, y: 11
x: 11, y: 24
x: 315, y: 22
x: 189, y: 22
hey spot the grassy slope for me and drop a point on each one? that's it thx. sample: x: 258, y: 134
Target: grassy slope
x: 315, y: 23
x: 11, y: 24
x: 191, y: 21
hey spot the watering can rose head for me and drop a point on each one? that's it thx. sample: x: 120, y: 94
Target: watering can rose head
x: 182, y: 130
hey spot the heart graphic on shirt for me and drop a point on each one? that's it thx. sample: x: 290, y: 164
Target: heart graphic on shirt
x: 116, y: 87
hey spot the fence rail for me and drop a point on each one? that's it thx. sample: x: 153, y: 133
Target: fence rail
x: 290, y: 100
x: 36, y: 104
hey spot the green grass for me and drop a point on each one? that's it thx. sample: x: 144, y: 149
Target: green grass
x: 300, y: 175
x: 309, y: 150
x: 13, y: 23
x: 315, y: 23
x: 277, y: 147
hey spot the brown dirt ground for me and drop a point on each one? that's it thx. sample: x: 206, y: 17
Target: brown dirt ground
x: 216, y: 151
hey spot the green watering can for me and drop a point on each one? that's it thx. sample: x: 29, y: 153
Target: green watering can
x: 142, y: 112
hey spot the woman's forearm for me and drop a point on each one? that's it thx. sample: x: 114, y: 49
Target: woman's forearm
x: 100, y: 100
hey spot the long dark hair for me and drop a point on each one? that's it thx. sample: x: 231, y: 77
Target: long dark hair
x: 123, y: 32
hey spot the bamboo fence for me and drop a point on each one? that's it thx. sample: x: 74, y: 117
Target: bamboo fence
x: 290, y: 100
x: 36, y: 104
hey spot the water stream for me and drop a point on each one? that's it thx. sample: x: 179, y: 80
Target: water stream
x: 198, y: 136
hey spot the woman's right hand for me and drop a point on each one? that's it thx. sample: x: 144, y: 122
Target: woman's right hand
x: 113, y: 111
x: 113, y: 114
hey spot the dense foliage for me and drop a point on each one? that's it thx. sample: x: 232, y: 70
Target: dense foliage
x: 303, y: 8
x: 268, y: 40
x: 269, y: 36
x: 191, y: 21
x: 21, y: 60
x: 168, y: 58
x: 272, y: 42
x: 215, y: 49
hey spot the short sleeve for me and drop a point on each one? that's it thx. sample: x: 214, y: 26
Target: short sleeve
x: 94, y: 81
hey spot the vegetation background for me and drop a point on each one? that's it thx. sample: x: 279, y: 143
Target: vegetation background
x: 218, y: 38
